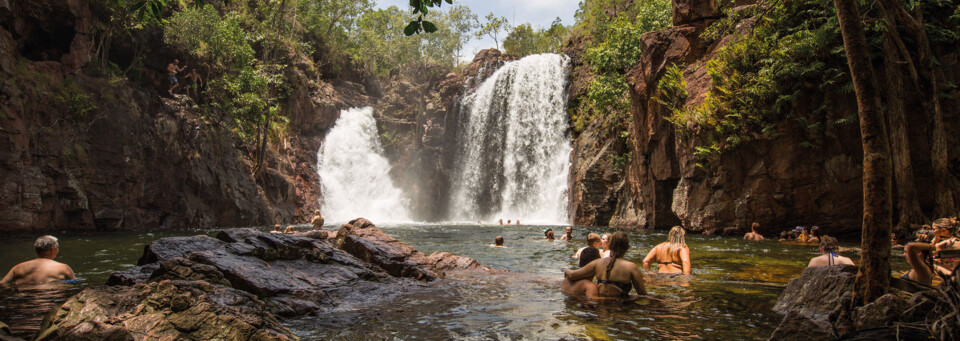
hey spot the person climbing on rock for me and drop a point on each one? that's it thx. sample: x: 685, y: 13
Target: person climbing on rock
x: 828, y: 254
x: 172, y: 71
x: 43, y: 269
x: 193, y: 83
x: 568, y: 234
x: 753, y: 234
x: 671, y: 256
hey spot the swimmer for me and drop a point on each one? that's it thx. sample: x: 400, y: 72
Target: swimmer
x: 317, y: 220
x: 518, y: 222
x: 814, y: 235
x: 920, y: 255
x: 753, y: 234
x: 568, y: 235
x: 605, y: 245
x: 616, y: 276
x: 590, y: 252
x: 276, y: 229
x: 508, y: 221
x: 43, y: 269
x: 828, y: 254
x: 500, y: 221
x: 672, y: 256
x: 498, y: 242
x: 548, y: 235
x: 289, y: 230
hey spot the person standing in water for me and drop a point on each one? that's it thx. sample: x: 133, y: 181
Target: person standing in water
x: 590, y: 252
x: 317, y: 220
x: 568, y: 234
x: 671, y: 256
x: 605, y: 245
x: 43, y: 269
x: 616, y: 276
x: 500, y: 221
x: 828, y: 254
x: 548, y: 234
x: 753, y: 234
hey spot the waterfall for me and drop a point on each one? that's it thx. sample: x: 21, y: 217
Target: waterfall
x: 354, y: 175
x: 513, y: 156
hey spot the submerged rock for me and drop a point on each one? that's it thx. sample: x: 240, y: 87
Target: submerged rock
x: 172, y: 310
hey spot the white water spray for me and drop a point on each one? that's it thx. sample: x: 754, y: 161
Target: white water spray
x: 513, y: 157
x: 354, y: 173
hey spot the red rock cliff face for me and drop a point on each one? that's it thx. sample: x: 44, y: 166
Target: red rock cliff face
x: 138, y: 161
x: 777, y: 182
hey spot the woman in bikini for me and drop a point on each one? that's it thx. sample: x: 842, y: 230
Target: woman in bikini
x: 616, y: 276
x: 828, y: 254
x: 671, y: 256
x: 920, y: 255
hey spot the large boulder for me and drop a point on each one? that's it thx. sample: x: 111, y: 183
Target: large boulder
x: 365, y: 241
x: 883, y: 312
x: 799, y: 327
x: 5, y: 334
x: 818, y: 292
x: 173, y: 310
x: 691, y: 11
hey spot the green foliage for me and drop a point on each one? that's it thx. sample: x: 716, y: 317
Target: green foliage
x: 330, y: 21
x: 493, y: 28
x: 379, y: 44
x: 244, y: 96
x: 201, y: 32
x: 619, y: 162
x: 759, y: 79
x: 524, y: 40
x: 420, y: 25
x: 73, y: 100
x: 614, y: 48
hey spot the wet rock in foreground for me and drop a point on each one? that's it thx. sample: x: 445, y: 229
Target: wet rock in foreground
x: 234, y: 285
x: 173, y: 310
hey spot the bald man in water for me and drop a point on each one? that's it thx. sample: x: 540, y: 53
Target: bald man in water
x: 43, y: 269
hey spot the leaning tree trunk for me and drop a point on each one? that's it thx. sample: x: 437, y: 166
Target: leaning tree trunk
x: 874, y: 275
x: 895, y: 54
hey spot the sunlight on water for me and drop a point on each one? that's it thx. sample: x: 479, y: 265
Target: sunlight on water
x: 735, y: 285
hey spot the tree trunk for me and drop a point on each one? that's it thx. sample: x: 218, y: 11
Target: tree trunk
x: 874, y: 275
x: 908, y: 207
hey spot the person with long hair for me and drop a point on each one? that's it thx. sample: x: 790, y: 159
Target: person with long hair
x: 605, y: 245
x: 616, y: 276
x: 671, y: 256
x: 828, y: 254
x: 921, y: 256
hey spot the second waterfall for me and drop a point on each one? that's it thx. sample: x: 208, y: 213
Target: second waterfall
x: 513, y: 154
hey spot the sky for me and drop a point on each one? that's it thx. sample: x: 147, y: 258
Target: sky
x: 539, y: 13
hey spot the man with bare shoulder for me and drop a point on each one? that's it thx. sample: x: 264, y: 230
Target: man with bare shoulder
x: 317, y: 220
x: 753, y: 234
x: 43, y: 269
x: 568, y: 234
x: 172, y: 70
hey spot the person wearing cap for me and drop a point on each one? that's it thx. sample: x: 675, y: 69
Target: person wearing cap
x: 43, y: 269
x: 548, y: 234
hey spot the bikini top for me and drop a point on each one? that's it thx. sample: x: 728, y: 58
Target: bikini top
x: 624, y: 287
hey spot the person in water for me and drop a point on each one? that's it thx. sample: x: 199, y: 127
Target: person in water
x: 289, y: 230
x: 518, y: 222
x: 814, y: 235
x: 498, y: 242
x: 43, y: 269
x: 920, y: 255
x: 276, y: 229
x: 568, y: 234
x: 616, y: 276
x: 500, y: 221
x: 593, y: 241
x: 548, y: 235
x: 753, y: 234
x: 672, y: 256
x: 828, y: 254
x: 317, y: 220
x: 605, y: 245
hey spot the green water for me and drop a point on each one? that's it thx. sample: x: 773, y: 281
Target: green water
x: 734, y: 286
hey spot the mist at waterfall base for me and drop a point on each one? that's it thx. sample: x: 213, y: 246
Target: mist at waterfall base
x: 513, y: 154
x: 354, y: 179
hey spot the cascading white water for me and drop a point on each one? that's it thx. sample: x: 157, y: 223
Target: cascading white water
x: 353, y: 172
x: 513, y: 157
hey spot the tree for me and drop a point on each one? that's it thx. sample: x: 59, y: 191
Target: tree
x: 873, y: 277
x: 521, y: 41
x: 420, y: 25
x: 463, y: 22
x: 379, y: 43
x: 331, y: 20
x: 493, y: 28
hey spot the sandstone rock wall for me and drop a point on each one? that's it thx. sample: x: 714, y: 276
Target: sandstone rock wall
x: 137, y: 160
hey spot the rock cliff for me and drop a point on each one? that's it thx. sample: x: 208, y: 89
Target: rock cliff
x: 778, y: 182
x: 85, y: 151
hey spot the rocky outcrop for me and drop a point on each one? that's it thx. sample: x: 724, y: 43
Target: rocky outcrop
x: 5, y: 334
x: 233, y: 286
x: 166, y: 309
x: 818, y: 292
